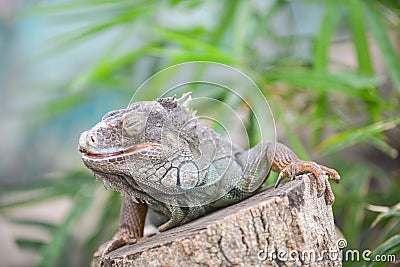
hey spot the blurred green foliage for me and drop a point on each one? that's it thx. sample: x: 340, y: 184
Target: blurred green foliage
x: 342, y: 109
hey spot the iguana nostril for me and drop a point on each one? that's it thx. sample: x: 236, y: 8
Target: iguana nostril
x: 82, y: 142
x: 82, y: 149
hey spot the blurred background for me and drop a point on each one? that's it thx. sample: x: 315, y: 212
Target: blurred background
x: 329, y: 69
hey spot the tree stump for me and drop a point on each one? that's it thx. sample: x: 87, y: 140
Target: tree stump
x: 287, y: 226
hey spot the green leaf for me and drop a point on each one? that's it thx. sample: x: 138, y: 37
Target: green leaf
x: 74, y: 6
x: 349, y: 84
x: 322, y: 111
x: 263, y: 21
x: 292, y: 137
x: 122, y: 15
x: 353, y: 136
x: 321, y: 60
x: 225, y: 22
x: 354, y: 188
x: 380, y: 143
x: 44, y: 225
x: 361, y: 43
x: 60, y: 105
x: 109, y: 219
x: 189, y: 43
x: 126, y: 19
x: 191, y: 3
x: 40, y: 191
x: 181, y: 55
x: 360, y: 37
x: 104, y: 67
x: 386, y: 215
x: 384, y: 248
x: 241, y: 25
x: 323, y: 39
x: 381, y: 37
x: 55, y: 247
x: 34, y: 245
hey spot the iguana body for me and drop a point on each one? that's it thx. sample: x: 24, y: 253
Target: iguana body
x: 163, y: 157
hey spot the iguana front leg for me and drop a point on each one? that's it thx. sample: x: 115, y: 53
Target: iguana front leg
x: 287, y: 163
x: 131, y: 224
x: 181, y: 215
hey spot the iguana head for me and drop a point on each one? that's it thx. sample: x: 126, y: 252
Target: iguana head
x: 126, y: 142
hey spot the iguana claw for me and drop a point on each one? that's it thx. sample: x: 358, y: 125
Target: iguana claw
x: 321, y: 173
x: 120, y: 239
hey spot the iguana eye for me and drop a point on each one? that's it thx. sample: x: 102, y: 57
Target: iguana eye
x: 133, y: 125
x: 92, y: 139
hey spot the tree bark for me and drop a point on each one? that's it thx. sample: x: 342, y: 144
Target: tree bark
x: 289, y: 226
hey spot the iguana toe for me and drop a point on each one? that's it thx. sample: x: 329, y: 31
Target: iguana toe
x: 120, y: 239
x: 320, y: 172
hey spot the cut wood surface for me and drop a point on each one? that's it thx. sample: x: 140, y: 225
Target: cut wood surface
x: 287, y: 226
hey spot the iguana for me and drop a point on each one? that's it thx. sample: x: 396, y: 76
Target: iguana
x: 159, y: 155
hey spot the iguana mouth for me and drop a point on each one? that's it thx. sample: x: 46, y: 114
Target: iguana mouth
x: 117, y: 153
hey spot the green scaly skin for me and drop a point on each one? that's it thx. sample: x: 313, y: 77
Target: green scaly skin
x: 159, y: 155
